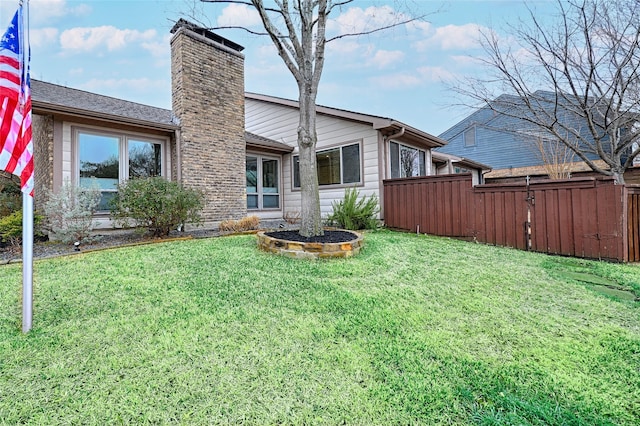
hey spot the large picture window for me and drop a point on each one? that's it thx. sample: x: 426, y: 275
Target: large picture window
x: 336, y: 166
x: 406, y: 161
x: 105, y: 159
x: 263, y: 189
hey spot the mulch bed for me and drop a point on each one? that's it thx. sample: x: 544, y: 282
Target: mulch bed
x: 46, y: 249
x: 328, y: 237
x: 112, y: 239
x: 117, y: 238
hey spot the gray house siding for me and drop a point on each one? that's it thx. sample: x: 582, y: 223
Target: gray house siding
x: 503, y: 142
x: 499, y: 149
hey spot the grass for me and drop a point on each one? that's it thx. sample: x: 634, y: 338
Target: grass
x: 415, y: 330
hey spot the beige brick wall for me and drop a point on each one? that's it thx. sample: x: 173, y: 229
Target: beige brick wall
x: 208, y: 99
x: 42, y: 127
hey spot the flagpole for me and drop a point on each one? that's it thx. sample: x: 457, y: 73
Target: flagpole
x: 27, y: 199
x: 27, y: 262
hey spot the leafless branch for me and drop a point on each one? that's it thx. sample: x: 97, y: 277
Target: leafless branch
x: 588, y: 66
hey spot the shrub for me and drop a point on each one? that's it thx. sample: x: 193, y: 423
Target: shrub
x: 292, y: 217
x: 353, y: 213
x: 156, y: 204
x: 245, y: 224
x: 69, y: 212
x: 11, y: 227
x: 10, y: 196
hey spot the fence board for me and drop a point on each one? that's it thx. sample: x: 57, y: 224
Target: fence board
x: 588, y: 217
x: 633, y: 225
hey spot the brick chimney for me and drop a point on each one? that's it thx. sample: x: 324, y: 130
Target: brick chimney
x: 207, y: 74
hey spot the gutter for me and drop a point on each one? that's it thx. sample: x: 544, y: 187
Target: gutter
x: 398, y: 134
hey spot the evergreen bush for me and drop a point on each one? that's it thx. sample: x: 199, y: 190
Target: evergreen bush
x: 10, y: 196
x: 11, y: 228
x: 156, y: 204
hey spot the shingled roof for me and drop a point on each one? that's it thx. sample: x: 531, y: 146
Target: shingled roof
x: 48, y: 97
x: 260, y: 142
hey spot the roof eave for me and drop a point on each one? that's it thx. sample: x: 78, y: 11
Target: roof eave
x: 45, y: 107
x: 411, y: 134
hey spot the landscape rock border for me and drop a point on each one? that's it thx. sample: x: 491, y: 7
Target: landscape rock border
x: 311, y: 250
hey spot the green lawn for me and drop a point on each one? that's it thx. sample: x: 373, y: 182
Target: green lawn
x: 414, y: 330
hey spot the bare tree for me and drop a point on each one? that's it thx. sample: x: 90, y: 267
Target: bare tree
x: 297, y: 29
x: 588, y: 65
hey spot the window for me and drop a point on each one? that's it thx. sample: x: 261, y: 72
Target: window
x: 263, y: 189
x: 470, y: 137
x: 336, y: 166
x: 406, y: 161
x: 105, y: 159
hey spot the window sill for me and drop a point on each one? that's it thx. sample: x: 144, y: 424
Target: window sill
x: 337, y: 186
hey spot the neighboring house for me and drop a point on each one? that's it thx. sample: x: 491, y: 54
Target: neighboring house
x: 512, y: 146
x: 243, y: 167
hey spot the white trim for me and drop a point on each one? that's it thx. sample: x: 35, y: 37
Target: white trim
x: 259, y: 193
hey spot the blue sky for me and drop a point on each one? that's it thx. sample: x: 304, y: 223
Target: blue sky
x: 121, y: 49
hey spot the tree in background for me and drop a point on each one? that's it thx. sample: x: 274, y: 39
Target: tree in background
x: 587, y: 64
x: 297, y: 29
x: 556, y: 156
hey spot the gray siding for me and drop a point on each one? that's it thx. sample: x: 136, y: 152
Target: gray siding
x: 499, y: 140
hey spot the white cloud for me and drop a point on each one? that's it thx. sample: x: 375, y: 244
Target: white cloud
x: 343, y: 46
x: 122, y: 86
x: 396, y: 81
x: 465, y: 60
x: 239, y: 15
x: 267, y: 51
x: 88, y: 39
x: 159, y: 49
x: 356, y: 20
x: 422, y: 26
x: 435, y: 74
x: 43, y: 11
x: 385, y: 58
x: 40, y: 37
x: 453, y: 37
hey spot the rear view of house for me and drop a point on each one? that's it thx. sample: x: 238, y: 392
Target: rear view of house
x: 239, y: 148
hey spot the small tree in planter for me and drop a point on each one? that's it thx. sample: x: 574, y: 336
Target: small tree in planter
x: 156, y: 204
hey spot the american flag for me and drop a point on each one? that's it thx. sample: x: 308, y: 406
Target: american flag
x: 16, y: 142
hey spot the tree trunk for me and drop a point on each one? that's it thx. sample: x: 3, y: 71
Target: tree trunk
x: 618, y: 176
x: 311, y: 224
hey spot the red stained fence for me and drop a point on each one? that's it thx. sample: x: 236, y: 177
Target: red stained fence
x: 588, y: 217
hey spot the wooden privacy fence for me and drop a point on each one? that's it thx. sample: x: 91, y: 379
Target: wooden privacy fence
x: 589, y: 217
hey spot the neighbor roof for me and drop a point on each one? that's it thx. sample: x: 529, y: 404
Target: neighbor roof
x: 388, y: 126
x: 48, y: 97
x: 438, y: 156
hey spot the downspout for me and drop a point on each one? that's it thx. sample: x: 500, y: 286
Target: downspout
x: 387, y: 169
x: 395, y: 135
x: 387, y: 139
